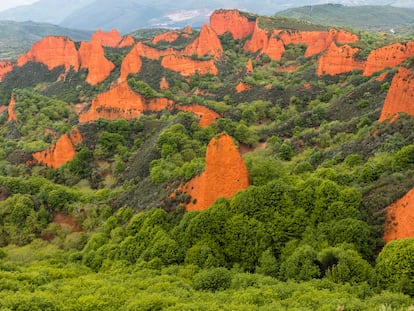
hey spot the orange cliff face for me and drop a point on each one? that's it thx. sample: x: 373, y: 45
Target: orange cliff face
x: 5, y: 68
x: 317, y: 41
x: 233, y: 22
x: 268, y: 44
x: 10, y: 110
x: 132, y: 63
x: 206, y: 115
x: 61, y: 152
x: 121, y: 102
x: 207, y: 43
x: 92, y: 57
x: 241, y: 87
x: 388, y: 56
x: 112, y: 39
x: 169, y: 36
x: 400, y: 218
x: 225, y: 174
x: 187, y: 66
x: 164, y: 85
x: 53, y: 52
x: 173, y: 35
x: 400, y: 97
x: 338, y: 59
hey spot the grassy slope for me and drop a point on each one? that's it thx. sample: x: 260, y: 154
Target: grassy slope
x: 18, y: 37
x: 371, y: 18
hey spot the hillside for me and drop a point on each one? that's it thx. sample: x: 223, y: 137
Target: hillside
x: 129, y: 15
x: 254, y: 163
x: 17, y: 37
x: 368, y: 18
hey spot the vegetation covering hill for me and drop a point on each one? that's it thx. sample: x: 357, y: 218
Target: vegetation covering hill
x: 247, y: 165
x: 128, y: 15
x: 372, y: 18
x: 17, y: 38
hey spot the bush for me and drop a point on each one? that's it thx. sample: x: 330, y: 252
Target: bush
x: 213, y: 279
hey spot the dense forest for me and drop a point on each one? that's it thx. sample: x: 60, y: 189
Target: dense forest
x: 94, y: 212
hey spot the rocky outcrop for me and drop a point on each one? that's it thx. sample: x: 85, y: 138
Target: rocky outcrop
x: 164, y: 85
x: 132, y: 63
x: 121, y: 102
x: 317, y: 41
x: 249, y: 66
x: 53, y: 52
x: 5, y: 68
x: 112, y: 39
x: 169, y: 36
x: 207, y: 116
x: 273, y: 43
x: 400, y: 218
x: 10, y: 109
x: 187, y: 66
x: 241, y: 87
x: 233, y: 22
x: 400, y: 97
x: 266, y: 42
x: 92, y: 57
x: 61, y: 152
x: 126, y: 41
x: 207, y: 43
x: 388, y: 56
x: 225, y: 174
x: 173, y: 35
x: 338, y: 59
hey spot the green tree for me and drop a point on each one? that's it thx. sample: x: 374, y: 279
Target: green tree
x: 301, y: 265
x: 395, y: 264
x: 214, y: 279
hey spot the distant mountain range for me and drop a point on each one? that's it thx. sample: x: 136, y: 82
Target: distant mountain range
x: 17, y: 37
x: 128, y: 15
x: 370, y: 18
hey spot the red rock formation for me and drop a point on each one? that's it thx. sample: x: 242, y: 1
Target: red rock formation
x: 164, y: 85
x: 238, y: 25
x: 317, y: 41
x: 61, y: 152
x: 67, y: 222
x: 225, y: 174
x: 338, y: 59
x: 5, y: 68
x: 132, y: 63
x: 3, y: 109
x: 10, y: 110
x: 268, y: 44
x: 241, y: 87
x: 289, y: 68
x: 206, y: 115
x: 187, y: 66
x: 169, y: 36
x: 111, y: 39
x: 126, y: 41
x: 382, y: 76
x: 388, y: 56
x: 92, y: 57
x: 53, y: 52
x: 121, y: 102
x: 207, y: 43
x: 249, y: 66
x: 400, y: 97
x: 400, y: 218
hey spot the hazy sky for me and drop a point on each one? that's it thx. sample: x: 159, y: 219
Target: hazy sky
x: 7, y: 4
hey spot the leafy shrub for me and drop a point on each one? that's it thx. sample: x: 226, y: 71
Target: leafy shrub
x: 214, y: 279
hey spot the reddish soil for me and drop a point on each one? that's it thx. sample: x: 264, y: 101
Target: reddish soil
x: 400, y: 218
